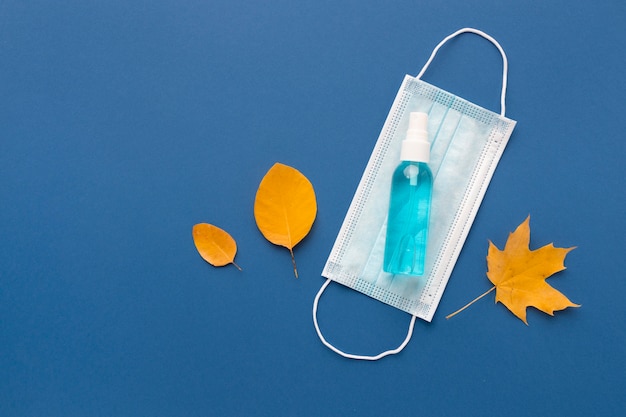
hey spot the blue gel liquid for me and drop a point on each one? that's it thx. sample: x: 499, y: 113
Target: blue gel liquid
x: 407, y: 223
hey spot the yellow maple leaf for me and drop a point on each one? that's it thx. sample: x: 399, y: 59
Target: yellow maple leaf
x: 519, y: 275
x: 285, y: 207
x: 215, y: 245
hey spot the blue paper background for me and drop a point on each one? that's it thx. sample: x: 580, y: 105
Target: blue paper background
x: 123, y: 123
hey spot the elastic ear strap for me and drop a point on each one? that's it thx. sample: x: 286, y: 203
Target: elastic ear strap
x: 350, y: 355
x: 505, y: 62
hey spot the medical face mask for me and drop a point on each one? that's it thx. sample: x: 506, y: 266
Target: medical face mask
x: 467, y: 142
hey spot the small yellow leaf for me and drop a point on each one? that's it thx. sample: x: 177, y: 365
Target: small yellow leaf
x: 285, y: 207
x: 215, y: 245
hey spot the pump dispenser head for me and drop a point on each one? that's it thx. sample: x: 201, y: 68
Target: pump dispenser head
x: 416, y: 147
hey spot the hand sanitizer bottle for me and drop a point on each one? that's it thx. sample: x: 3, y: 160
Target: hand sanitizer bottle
x: 409, y: 204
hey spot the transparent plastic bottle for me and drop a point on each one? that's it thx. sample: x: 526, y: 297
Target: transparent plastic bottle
x: 409, y: 204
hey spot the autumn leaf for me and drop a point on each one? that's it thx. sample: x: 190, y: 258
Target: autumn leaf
x: 215, y: 245
x: 285, y: 207
x: 519, y: 275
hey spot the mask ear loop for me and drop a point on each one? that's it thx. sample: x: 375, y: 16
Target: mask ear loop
x: 351, y: 355
x: 505, y: 62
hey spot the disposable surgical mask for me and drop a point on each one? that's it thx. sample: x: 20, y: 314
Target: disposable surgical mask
x: 467, y: 142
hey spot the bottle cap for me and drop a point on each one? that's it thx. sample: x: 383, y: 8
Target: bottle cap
x: 416, y: 147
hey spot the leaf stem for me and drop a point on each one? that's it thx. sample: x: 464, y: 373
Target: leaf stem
x: 293, y: 261
x: 470, y: 303
x: 236, y: 266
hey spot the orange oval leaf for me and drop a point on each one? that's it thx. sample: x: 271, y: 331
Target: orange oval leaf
x: 285, y: 207
x: 215, y: 245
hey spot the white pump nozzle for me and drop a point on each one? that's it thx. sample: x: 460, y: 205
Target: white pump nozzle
x: 416, y: 146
